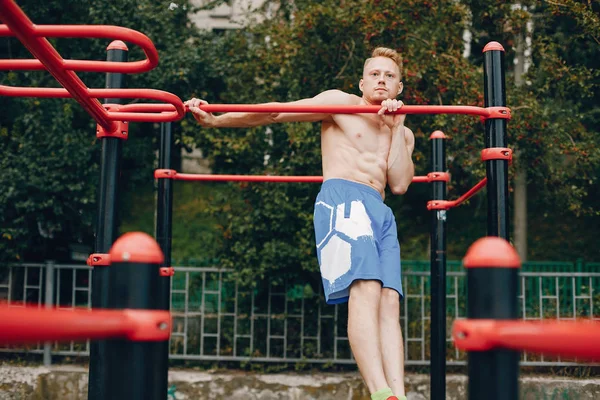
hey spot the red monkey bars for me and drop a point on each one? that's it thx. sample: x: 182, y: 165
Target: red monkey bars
x: 34, y: 38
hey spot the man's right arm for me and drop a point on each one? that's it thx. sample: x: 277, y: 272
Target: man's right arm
x: 246, y: 120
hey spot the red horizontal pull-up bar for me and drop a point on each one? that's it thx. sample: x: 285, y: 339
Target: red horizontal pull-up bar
x: 33, y: 324
x: 172, y: 174
x: 489, y: 112
x: 566, y: 338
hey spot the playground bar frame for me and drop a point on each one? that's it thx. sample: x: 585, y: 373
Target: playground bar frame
x: 493, y: 372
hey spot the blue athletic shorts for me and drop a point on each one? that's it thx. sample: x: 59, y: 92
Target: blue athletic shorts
x: 356, y: 238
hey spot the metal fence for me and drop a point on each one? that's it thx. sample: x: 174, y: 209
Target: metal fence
x: 215, y: 320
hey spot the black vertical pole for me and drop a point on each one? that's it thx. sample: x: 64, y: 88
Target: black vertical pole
x: 438, y: 272
x: 495, y: 136
x: 106, y: 227
x: 495, y: 372
x: 492, y: 278
x: 164, y: 229
x: 134, y: 279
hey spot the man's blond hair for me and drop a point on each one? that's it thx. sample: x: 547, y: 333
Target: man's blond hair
x: 388, y: 53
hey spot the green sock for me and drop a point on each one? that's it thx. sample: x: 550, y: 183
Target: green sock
x: 382, y: 394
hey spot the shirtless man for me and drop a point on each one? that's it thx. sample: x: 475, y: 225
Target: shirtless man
x: 356, y: 234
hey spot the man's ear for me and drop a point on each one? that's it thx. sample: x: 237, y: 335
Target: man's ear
x: 400, y: 88
x: 360, y: 85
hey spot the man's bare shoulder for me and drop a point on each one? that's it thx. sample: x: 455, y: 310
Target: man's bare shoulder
x: 336, y: 96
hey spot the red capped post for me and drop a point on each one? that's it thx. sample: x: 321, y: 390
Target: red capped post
x: 137, y: 370
x: 492, y: 282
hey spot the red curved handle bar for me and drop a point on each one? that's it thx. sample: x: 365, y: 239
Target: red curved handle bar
x: 27, y: 325
x: 565, y: 338
x: 33, y: 37
x: 87, y: 31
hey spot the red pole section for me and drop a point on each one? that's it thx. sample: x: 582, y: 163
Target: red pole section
x: 25, y: 31
x: 350, y: 109
x: 445, y: 205
x: 172, y: 174
x: 27, y: 325
x: 246, y: 178
x: 139, y: 112
x: 565, y: 338
x: 470, y: 193
x: 83, y: 31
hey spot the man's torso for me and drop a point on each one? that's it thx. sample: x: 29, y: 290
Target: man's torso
x: 356, y: 147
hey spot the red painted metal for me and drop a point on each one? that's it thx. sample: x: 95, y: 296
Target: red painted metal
x: 33, y: 324
x: 497, y: 112
x: 491, y: 252
x: 98, y: 259
x: 565, y: 338
x: 447, y: 204
x: 497, y: 153
x: 19, y: 25
x: 172, y: 174
x: 34, y: 38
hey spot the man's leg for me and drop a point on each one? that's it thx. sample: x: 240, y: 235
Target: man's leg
x: 363, y: 332
x: 392, y: 348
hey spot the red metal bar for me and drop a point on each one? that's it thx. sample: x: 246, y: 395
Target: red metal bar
x: 246, y: 178
x: 132, y: 112
x: 498, y: 112
x: 27, y: 325
x: 25, y: 31
x: 565, y: 338
x: 172, y: 174
x: 421, y: 179
x: 82, y: 31
x: 470, y: 193
x: 447, y: 204
x: 34, y: 38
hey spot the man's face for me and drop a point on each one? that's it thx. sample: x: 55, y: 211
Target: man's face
x: 381, y: 80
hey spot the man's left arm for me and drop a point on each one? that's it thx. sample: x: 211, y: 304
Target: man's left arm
x: 401, y: 170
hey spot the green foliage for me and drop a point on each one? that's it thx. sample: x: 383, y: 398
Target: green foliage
x: 48, y: 150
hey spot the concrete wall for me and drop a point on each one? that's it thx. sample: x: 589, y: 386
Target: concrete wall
x: 70, y: 383
x: 233, y: 15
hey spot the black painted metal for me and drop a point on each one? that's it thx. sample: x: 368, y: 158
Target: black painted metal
x: 438, y: 276
x: 106, y: 233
